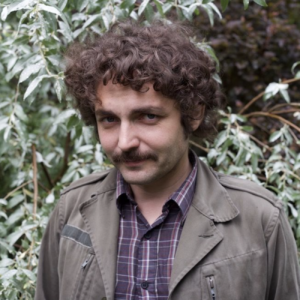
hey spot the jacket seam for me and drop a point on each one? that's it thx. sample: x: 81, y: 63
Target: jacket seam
x: 276, y: 203
x: 232, y: 257
x: 91, y: 201
x: 272, y: 224
x: 61, y: 213
x: 68, y: 238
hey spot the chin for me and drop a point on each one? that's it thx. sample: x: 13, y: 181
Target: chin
x: 138, y: 178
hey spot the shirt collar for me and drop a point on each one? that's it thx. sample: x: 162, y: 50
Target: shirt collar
x: 182, y: 197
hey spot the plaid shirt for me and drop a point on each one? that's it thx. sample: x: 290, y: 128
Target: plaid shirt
x: 146, y: 253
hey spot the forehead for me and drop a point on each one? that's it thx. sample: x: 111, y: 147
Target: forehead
x: 119, y: 97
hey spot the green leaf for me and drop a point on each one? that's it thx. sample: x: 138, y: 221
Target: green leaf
x: 84, y: 5
x: 9, y: 274
x: 166, y: 7
x: 210, y: 13
x: 62, y: 4
x: 64, y: 116
x: 246, y: 3
x: 285, y: 95
x: 261, y: 2
x: 33, y: 85
x: 13, y: 237
x: 224, y: 4
x: 29, y: 274
x: 127, y: 4
x: 188, y: 14
x: 213, y: 6
x: 159, y: 6
x: 30, y: 70
x: 222, y: 137
x: 7, y: 133
x: 5, y: 262
x: 18, y: 5
x: 15, y: 201
x: 54, y: 10
x: 294, y: 67
x: 143, y: 6
x: 3, y: 214
x: 58, y: 86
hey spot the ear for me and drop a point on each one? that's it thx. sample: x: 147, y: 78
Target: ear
x: 198, y: 117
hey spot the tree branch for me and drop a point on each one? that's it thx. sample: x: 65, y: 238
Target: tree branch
x: 35, y: 181
x: 47, y: 175
x: 265, y: 114
x: 17, y: 188
x: 262, y: 93
x: 66, y: 159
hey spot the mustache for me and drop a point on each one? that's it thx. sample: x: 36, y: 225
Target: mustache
x: 132, y: 156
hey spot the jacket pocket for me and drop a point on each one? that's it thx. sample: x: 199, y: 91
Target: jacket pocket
x: 84, y: 278
x: 211, y: 287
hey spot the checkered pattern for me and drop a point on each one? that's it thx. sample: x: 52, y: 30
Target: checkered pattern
x: 146, y: 253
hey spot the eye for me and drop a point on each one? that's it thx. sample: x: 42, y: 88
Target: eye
x: 150, y: 116
x: 108, y: 119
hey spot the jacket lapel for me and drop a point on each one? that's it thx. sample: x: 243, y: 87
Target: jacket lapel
x: 211, y: 205
x: 101, y: 218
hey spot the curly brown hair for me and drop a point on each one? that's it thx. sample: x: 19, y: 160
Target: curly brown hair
x: 132, y: 55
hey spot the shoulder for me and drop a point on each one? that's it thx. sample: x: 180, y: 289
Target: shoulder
x: 251, y: 190
x: 87, y: 181
x: 257, y: 205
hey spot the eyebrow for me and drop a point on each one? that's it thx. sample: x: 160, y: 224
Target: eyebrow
x: 142, y: 110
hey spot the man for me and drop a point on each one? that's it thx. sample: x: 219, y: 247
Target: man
x: 161, y: 225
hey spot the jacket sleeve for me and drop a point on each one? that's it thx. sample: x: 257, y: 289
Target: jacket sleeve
x: 283, y: 265
x: 47, y: 280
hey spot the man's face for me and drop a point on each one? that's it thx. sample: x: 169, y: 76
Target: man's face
x: 141, y: 133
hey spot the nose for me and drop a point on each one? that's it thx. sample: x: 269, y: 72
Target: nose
x: 128, y: 138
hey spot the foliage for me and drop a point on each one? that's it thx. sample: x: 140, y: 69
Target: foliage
x: 44, y: 145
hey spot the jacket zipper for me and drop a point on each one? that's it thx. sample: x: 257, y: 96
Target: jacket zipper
x: 86, y: 262
x: 212, y: 288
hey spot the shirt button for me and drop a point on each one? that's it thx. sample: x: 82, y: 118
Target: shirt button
x: 148, y: 235
x: 144, y: 285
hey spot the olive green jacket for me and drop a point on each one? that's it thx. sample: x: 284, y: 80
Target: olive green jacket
x: 236, y: 244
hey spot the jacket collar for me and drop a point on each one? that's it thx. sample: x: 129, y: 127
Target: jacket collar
x: 211, y: 198
x: 211, y: 204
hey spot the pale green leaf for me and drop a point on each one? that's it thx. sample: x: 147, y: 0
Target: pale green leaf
x: 5, y: 262
x: 33, y: 85
x: 285, y: 95
x: 166, y: 7
x: 50, y: 198
x: 213, y: 6
x: 30, y: 70
x: 7, y: 133
x: 29, y: 274
x: 64, y: 116
x: 3, y: 214
x: 13, y: 237
x: 9, y: 274
x: 224, y: 4
x: 143, y: 6
x: 294, y: 66
x: 127, y: 4
x: 17, y: 5
x: 159, y: 6
x: 261, y: 2
x: 246, y: 3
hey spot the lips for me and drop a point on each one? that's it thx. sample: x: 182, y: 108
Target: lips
x: 133, y: 162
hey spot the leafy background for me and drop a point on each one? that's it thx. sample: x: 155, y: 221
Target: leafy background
x: 44, y: 145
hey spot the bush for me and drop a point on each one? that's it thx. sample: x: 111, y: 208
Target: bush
x: 44, y: 145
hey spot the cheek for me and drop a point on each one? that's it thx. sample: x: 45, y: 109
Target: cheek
x: 107, y: 139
